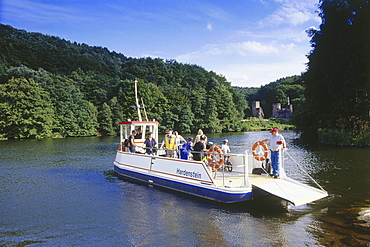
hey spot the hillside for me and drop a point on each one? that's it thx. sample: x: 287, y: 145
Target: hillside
x: 53, y: 87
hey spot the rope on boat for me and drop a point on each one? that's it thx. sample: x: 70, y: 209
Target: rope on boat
x: 305, y: 172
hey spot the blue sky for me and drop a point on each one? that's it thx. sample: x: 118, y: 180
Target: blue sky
x: 250, y: 42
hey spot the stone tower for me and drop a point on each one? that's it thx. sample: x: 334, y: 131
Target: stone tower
x: 257, y: 110
x: 275, y: 109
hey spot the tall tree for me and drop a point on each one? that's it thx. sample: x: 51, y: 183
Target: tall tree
x: 106, y: 121
x: 26, y: 110
x: 337, y: 80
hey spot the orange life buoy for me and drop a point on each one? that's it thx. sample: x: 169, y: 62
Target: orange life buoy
x: 214, y: 162
x: 263, y: 148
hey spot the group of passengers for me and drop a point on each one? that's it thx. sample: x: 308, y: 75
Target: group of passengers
x: 176, y: 146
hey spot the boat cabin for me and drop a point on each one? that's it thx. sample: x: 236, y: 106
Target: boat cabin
x: 142, y: 127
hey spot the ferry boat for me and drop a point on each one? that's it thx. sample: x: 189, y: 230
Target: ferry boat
x: 247, y: 179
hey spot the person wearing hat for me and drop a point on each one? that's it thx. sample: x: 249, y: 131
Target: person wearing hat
x: 199, y: 148
x: 131, y: 142
x: 224, y: 147
x: 277, y: 143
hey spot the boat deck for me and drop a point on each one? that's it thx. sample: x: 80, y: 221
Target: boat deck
x: 285, y: 188
x: 237, y: 179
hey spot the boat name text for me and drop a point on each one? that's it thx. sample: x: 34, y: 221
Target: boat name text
x: 188, y: 173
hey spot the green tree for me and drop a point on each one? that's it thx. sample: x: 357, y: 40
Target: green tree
x: 179, y: 115
x: 26, y: 110
x: 154, y: 101
x: 337, y: 79
x: 117, y: 113
x: 106, y: 121
x: 77, y: 117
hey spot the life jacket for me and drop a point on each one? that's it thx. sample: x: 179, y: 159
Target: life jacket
x: 171, y: 142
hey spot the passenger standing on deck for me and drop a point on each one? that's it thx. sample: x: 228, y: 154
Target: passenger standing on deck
x: 199, y: 148
x: 139, y: 134
x: 170, y: 141
x: 225, y: 150
x: 180, y: 140
x: 131, y: 142
x: 197, y: 138
x: 186, y: 149
x: 224, y: 147
x: 150, y: 144
x: 277, y: 143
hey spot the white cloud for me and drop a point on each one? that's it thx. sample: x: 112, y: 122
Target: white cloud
x: 288, y: 47
x: 252, y: 47
x: 292, y: 12
x: 248, y: 48
x: 256, y: 74
x: 41, y: 12
x: 250, y: 63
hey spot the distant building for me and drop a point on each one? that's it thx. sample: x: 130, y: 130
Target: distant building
x: 278, y: 112
x: 257, y: 110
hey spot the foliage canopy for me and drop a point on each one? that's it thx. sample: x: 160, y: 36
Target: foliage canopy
x: 53, y: 87
x: 337, y: 82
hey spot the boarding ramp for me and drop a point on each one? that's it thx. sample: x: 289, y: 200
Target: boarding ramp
x: 287, y: 189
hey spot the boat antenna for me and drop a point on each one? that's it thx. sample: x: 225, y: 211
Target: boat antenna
x: 142, y: 102
x: 137, y: 101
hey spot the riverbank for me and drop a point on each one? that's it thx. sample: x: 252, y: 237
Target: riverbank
x: 345, y: 138
x: 249, y: 124
x: 257, y: 124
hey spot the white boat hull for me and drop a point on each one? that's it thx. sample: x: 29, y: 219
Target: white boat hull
x: 185, y: 176
x: 194, y: 178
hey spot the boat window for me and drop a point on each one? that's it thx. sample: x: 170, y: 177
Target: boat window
x: 127, y: 132
x: 140, y: 134
x: 148, y: 129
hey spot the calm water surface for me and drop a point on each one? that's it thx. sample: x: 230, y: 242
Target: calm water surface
x: 62, y: 192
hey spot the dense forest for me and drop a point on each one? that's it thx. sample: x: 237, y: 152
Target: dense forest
x: 50, y: 87
x: 337, y: 81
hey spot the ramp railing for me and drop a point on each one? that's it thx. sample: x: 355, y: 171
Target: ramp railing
x: 300, y: 167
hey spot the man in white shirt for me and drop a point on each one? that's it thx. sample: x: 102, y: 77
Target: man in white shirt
x: 277, y: 143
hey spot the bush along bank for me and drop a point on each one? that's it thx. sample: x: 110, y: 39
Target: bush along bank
x: 257, y: 124
x: 352, y: 131
x: 346, y: 138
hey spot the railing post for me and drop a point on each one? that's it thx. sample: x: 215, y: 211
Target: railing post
x: 246, y: 175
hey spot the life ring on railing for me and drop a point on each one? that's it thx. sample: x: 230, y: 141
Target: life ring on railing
x: 215, y: 163
x: 263, y: 148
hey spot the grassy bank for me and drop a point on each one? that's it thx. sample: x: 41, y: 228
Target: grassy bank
x: 344, y: 138
x: 257, y: 124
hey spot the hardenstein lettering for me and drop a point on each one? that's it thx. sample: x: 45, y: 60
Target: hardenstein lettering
x: 186, y: 173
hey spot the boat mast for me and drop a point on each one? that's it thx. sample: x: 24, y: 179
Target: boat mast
x: 137, y: 102
x: 146, y: 116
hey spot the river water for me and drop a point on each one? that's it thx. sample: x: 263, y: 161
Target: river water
x: 63, y: 192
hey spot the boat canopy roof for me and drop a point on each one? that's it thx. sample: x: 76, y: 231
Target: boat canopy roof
x: 138, y: 122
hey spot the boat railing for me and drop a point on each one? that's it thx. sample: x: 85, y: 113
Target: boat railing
x: 237, y: 168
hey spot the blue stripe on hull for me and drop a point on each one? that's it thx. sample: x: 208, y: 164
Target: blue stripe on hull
x: 207, y: 193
